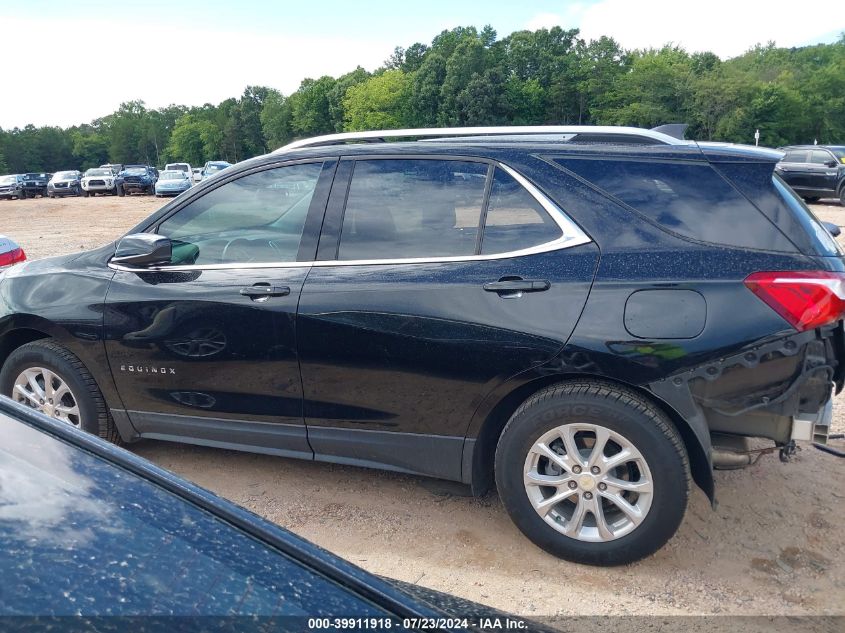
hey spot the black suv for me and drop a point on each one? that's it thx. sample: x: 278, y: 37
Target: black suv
x: 591, y: 318
x: 137, y: 179
x: 35, y: 184
x: 814, y: 171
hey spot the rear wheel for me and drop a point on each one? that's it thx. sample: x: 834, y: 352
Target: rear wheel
x: 842, y: 196
x: 593, y: 473
x: 811, y: 199
x: 46, y: 376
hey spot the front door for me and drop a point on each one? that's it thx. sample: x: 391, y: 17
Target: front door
x: 204, y: 349
x: 419, y: 314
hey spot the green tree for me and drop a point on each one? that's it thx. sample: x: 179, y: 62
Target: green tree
x: 378, y: 103
x: 194, y: 140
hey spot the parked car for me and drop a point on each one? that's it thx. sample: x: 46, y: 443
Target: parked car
x: 590, y: 317
x: 99, y: 180
x: 213, y: 167
x: 10, y: 252
x: 137, y: 179
x: 92, y: 530
x: 65, y: 183
x: 172, y: 183
x: 35, y: 184
x: 196, y: 174
x: 814, y: 171
x: 11, y: 186
x: 185, y: 167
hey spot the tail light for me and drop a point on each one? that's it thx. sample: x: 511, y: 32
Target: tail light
x: 806, y: 299
x: 12, y: 257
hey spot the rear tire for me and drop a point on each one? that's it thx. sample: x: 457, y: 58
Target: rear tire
x: 93, y: 414
x: 811, y: 199
x: 608, y: 507
x: 842, y: 196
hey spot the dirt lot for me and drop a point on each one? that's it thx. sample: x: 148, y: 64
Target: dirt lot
x: 773, y: 545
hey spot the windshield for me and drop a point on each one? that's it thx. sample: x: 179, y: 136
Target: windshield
x: 171, y: 175
x: 214, y: 167
x: 98, y: 172
x: 839, y: 152
x: 65, y: 175
x: 34, y: 176
x: 178, y: 166
x: 7, y: 180
x: 136, y: 171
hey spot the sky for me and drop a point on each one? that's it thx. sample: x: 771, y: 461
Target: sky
x: 69, y: 62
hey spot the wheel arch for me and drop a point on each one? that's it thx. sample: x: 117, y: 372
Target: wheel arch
x: 479, y: 459
x: 15, y: 338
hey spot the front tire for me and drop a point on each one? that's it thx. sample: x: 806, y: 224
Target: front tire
x: 49, y: 378
x: 593, y: 473
x: 842, y: 196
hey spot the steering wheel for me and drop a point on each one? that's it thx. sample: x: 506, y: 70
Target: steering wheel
x: 238, y: 250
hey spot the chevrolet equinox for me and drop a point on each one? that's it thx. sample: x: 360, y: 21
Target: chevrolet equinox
x: 590, y: 318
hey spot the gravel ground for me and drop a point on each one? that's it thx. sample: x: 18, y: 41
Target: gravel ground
x: 771, y: 547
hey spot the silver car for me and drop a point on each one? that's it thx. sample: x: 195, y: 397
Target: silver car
x: 173, y: 182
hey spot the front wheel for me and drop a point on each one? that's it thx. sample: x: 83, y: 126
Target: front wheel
x: 593, y: 473
x: 842, y: 196
x: 49, y: 378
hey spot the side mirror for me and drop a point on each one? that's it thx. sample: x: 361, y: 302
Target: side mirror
x: 831, y: 163
x: 143, y: 249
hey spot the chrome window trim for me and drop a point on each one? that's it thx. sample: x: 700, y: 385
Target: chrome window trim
x: 571, y: 236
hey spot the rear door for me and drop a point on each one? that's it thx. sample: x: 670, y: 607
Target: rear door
x: 204, y: 349
x: 436, y: 280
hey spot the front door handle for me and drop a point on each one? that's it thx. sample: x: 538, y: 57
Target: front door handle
x: 265, y: 290
x: 518, y: 285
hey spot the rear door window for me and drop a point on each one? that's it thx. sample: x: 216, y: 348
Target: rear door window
x: 515, y: 220
x: 412, y: 208
x: 688, y: 199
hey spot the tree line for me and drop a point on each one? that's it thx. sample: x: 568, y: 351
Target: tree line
x: 467, y: 76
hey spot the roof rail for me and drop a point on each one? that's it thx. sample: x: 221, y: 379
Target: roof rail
x: 566, y: 132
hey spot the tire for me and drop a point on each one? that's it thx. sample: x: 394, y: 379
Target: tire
x: 581, y: 410
x: 842, y: 195
x: 811, y: 199
x: 22, y: 196
x: 93, y: 416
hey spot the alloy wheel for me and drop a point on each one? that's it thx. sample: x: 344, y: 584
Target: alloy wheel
x: 45, y: 391
x: 588, y: 482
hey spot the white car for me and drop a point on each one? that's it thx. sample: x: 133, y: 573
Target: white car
x: 180, y: 167
x: 196, y: 174
x: 98, y: 180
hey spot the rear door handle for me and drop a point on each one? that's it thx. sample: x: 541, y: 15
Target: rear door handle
x: 518, y: 285
x: 265, y: 291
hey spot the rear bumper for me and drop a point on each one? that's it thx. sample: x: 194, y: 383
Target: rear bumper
x: 763, y: 390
